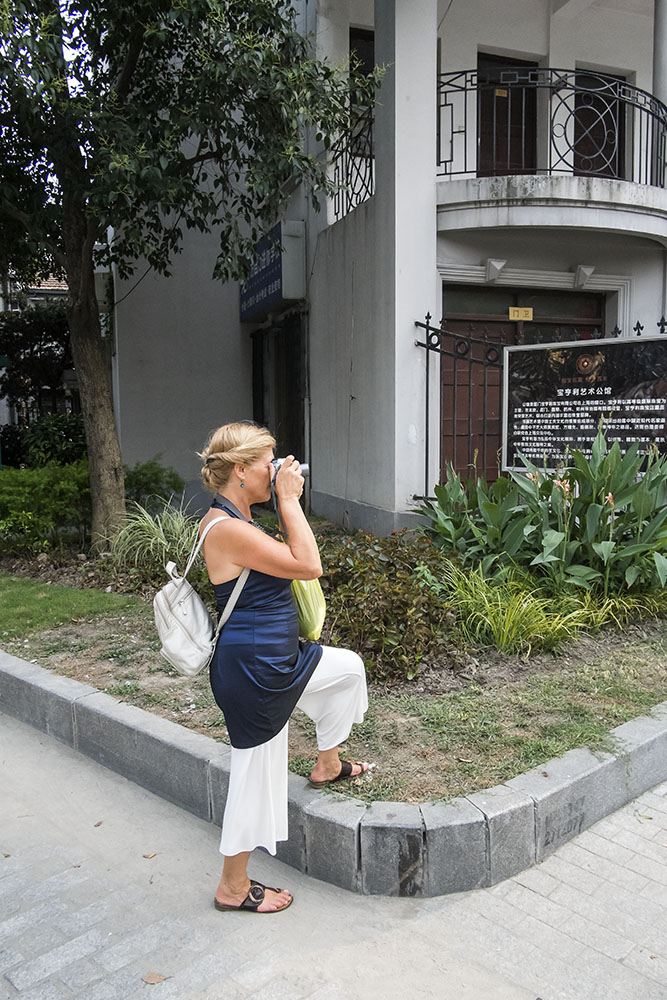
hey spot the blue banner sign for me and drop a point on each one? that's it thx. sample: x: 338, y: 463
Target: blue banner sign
x: 264, y: 288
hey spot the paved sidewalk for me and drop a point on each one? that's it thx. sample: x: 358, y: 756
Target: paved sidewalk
x: 103, y: 883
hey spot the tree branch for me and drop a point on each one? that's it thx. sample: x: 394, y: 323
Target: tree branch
x: 24, y: 220
x: 124, y: 79
x: 16, y: 213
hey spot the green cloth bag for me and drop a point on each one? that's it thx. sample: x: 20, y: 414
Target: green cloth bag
x: 311, y: 607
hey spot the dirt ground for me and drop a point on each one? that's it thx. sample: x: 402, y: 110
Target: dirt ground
x: 120, y: 655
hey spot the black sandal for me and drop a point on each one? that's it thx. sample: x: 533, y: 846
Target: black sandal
x: 345, y: 772
x: 254, y: 899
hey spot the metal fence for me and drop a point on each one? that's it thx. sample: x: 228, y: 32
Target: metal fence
x: 353, y: 166
x: 522, y: 120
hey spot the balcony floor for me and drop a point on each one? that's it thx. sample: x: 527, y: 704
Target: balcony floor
x: 557, y: 201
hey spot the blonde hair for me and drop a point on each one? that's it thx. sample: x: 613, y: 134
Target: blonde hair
x: 232, y: 444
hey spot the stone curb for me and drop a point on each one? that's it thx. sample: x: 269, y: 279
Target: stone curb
x: 385, y: 848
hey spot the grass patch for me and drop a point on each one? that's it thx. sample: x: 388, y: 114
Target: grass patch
x: 124, y: 690
x: 27, y: 606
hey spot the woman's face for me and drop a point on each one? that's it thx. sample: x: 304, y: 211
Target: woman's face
x: 257, y: 478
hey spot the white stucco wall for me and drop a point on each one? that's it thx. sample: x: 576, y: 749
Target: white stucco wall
x: 183, y: 363
x: 601, y: 36
x: 372, y: 275
x: 352, y: 368
x: 514, y: 28
x: 638, y: 261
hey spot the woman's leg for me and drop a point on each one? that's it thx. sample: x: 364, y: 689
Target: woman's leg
x: 234, y: 886
x: 255, y: 815
x: 335, y: 698
x: 256, y: 806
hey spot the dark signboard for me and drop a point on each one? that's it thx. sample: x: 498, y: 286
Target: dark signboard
x: 278, y: 277
x: 556, y: 394
x: 264, y: 287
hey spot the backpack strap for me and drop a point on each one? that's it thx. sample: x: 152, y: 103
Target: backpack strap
x: 232, y: 599
x: 171, y: 566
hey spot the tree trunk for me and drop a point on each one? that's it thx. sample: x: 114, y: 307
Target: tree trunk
x: 107, y: 485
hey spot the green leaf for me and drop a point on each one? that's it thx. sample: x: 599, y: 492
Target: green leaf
x: 551, y: 540
x: 642, y: 503
x: 661, y: 566
x: 543, y: 559
x: 598, y: 451
x: 593, y: 520
x: 604, y: 550
x: 584, y: 572
x: 631, y: 574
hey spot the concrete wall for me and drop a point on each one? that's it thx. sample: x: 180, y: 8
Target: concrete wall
x: 372, y: 275
x: 183, y: 363
x: 600, y: 36
x: 352, y: 368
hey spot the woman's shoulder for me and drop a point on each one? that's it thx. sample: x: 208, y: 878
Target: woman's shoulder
x: 212, y: 515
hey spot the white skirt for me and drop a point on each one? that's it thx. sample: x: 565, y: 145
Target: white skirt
x: 256, y: 808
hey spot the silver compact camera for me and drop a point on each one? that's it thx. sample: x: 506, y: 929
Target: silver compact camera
x: 303, y: 468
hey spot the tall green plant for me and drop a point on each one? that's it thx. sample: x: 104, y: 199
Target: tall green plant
x: 147, y: 540
x: 599, y: 522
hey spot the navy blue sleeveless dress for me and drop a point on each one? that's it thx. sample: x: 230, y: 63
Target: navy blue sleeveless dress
x: 260, y: 668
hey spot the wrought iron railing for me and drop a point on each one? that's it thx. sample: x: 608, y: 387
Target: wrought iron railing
x: 524, y: 120
x: 353, y: 166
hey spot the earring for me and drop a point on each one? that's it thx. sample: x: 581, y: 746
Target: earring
x: 242, y: 485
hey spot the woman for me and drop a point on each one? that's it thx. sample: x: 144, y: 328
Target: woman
x: 260, y: 670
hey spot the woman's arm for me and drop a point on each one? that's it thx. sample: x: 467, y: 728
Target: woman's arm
x: 233, y: 544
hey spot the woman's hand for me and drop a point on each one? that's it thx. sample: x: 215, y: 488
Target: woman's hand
x: 289, y: 481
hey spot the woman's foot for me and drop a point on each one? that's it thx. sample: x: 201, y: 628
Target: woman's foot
x: 326, y: 772
x: 253, y: 896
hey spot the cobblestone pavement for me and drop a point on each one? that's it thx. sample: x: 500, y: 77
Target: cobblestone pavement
x: 103, y: 884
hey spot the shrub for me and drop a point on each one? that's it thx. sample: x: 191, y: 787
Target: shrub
x: 149, y: 484
x: 375, y: 607
x: 12, y: 447
x: 598, y: 523
x: 55, y: 437
x: 43, y: 507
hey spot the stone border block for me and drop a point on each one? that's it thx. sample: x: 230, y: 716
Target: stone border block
x: 456, y: 847
x: 300, y: 796
x: 643, y: 751
x: 158, y: 754
x: 510, y: 824
x: 39, y: 697
x: 570, y: 794
x: 332, y: 840
x: 392, y: 849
